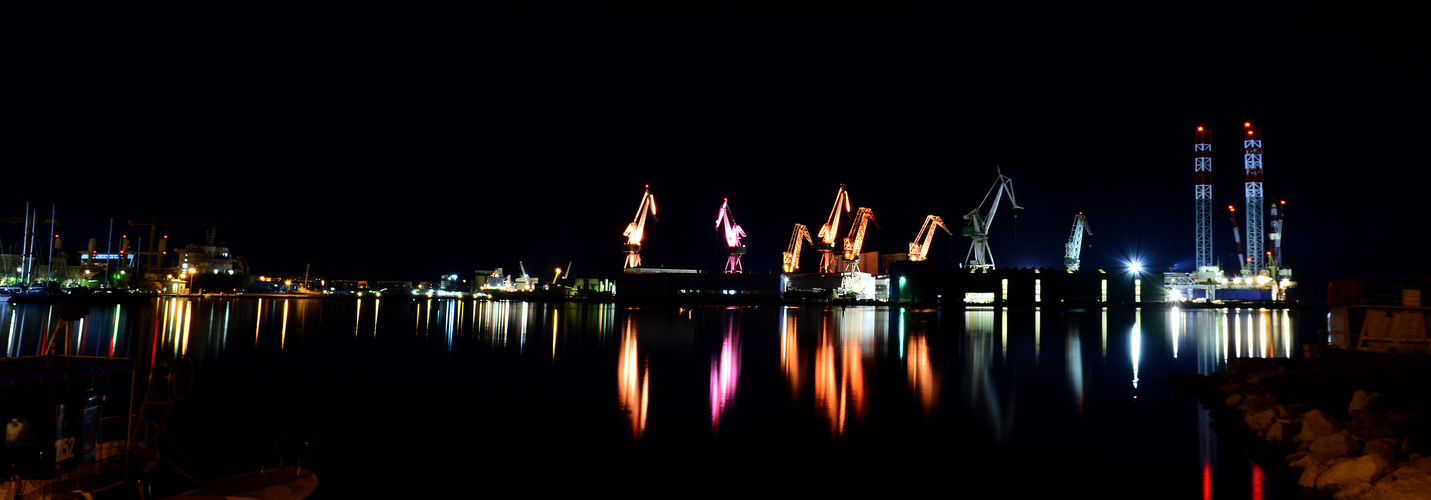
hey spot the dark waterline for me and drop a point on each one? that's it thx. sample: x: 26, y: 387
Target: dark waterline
x: 420, y: 397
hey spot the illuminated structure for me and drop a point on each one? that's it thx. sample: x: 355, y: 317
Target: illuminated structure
x: 733, y: 234
x: 830, y: 231
x: 919, y: 248
x: 1074, y: 247
x: 637, y: 228
x: 1237, y: 242
x: 1202, y: 196
x: 791, y: 259
x: 856, y: 240
x: 1279, y: 210
x: 979, y: 256
x: 1252, y: 164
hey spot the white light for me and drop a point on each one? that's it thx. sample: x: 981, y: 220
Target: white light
x: 1135, y: 266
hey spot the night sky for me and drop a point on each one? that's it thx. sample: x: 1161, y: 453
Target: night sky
x: 405, y: 142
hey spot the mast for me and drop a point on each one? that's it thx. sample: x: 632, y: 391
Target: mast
x: 1202, y: 196
x: 1252, y: 164
x: 50, y: 262
x: 25, y: 245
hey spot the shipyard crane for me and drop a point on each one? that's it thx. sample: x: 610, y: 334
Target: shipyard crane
x: 733, y: 234
x: 979, y: 256
x: 637, y: 228
x: 919, y: 248
x: 1075, y: 242
x: 154, y: 223
x: 791, y: 260
x: 856, y: 240
x: 830, y: 231
x: 1279, y: 212
x: 1237, y: 241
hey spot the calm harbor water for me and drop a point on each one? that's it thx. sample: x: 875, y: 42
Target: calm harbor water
x: 409, y: 397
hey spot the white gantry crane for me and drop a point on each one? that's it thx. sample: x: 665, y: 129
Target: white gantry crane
x: 791, y: 258
x: 856, y: 240
x: 830, y: 231
x: 1074, y: 247
x: 919, y: 248
x: 979, y: 256
x: 733, y: 234
x: 637, y: 228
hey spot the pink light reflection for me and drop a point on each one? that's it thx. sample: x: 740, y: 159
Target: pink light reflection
x: 725, y: 372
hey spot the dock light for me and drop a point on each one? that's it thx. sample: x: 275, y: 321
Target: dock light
x: 1135, y: 266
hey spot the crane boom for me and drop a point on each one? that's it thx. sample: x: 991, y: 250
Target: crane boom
x: 830, y: 231
x: 979, y: 256
x: 1237, y: 241
x: 856, y: 240
x: 791, y: 257
x: 1074, y: 248
x: 637, y: 228
x: 919, y: 248
x: 733, y: 234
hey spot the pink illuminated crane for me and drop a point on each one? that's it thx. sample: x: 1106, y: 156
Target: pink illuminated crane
x: 733, y: 234
x: 830, y: 231
x: 856, y: 240
x: 792, y: 255
x: 919, y: 248
x: 637, y: 228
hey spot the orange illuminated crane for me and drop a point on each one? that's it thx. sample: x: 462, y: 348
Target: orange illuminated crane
x: 830, y: 231
x: 856, y: 240
x: 637, y: 228
x: 919, y: 248
x: 791, y: 261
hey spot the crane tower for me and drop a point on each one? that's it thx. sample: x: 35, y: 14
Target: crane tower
x: 856, y: 240
x: 733, y: 234
x: 979, y: 224
x: 919, y: 248
x: 791, y: 257
x: 1074, y: 248
x: 831, y: 230
x: 637, y: 228
x: 1202, y: 194
x: 1252, y: 164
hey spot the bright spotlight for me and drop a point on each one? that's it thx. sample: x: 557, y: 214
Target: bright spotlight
x: 1135, y: 266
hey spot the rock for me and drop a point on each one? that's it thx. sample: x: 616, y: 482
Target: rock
x: 1309, y: 475
x: 1352, y: 491
x: 1262, y: 420
x: 1305, y: 461
x: 1318, y: 423
x: 1233, y: 399
x: 1422, y: 464
x: 1341, y: 444
x: 1386, y: 447
x: 1367, y: 469
x: 1362, y: 402
x: 1281, y: 431
x: 1403, y: 484
x: 1250, y: 402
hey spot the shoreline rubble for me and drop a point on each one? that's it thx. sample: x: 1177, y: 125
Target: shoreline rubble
x: 1350, y: 427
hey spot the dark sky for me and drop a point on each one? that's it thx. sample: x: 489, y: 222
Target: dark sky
x: 406, y: 142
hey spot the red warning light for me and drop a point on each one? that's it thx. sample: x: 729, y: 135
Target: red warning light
x: 1199, y: 129
x: 1247, y: 124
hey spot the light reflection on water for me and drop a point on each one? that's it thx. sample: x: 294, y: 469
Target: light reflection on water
x: 980, y: 384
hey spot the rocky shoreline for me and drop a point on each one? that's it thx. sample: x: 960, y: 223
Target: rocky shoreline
x: 1352, y: 427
